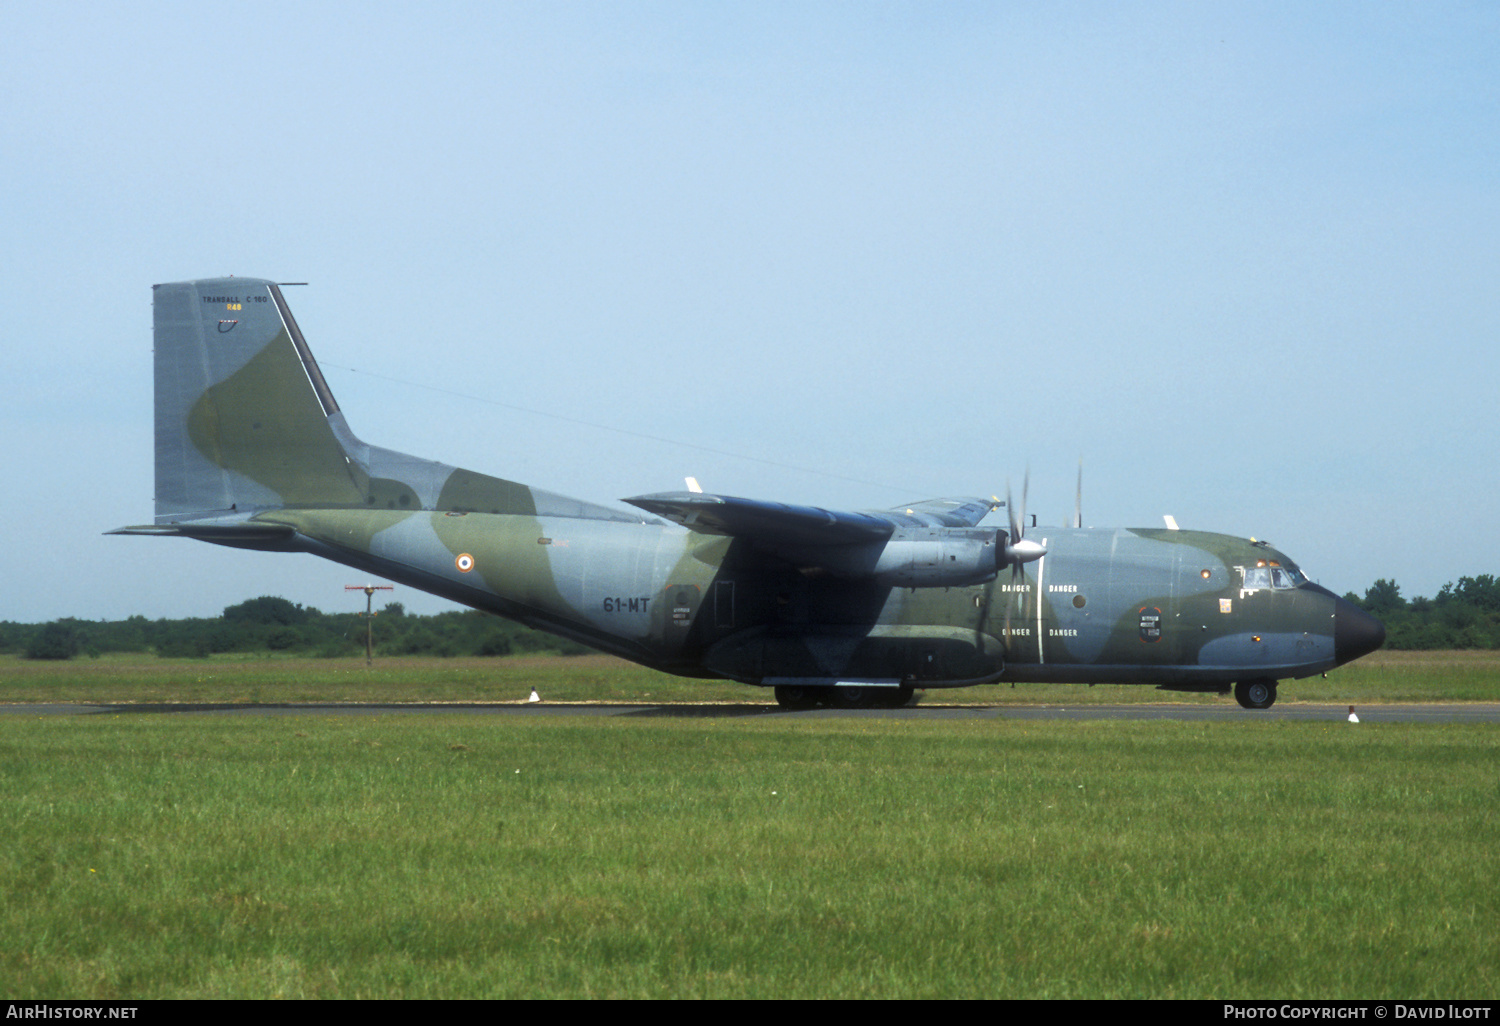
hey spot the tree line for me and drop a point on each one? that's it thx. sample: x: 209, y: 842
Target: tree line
x: 275, y: 625
x: 1461, y: 615
x: 1465, y: 614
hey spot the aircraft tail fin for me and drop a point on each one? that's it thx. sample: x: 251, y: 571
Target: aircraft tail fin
x: 244, y: 419
x: 245, y: 423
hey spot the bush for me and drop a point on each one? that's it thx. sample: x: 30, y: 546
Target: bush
x: 266, y: 610
x: 59, y: 639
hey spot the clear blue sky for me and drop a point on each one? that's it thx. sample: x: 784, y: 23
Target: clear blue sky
x: 1239, y: 258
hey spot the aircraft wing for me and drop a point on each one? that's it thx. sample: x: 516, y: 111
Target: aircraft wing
x: 767, y: 523
x: 777, y: 524
x: 944, y: 512
x: 930, y: 543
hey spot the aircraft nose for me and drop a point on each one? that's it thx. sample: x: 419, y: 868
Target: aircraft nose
x: 1355, y: 632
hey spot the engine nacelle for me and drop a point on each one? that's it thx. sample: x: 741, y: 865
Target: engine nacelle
x: 945, y: 557
x: 936, y: 557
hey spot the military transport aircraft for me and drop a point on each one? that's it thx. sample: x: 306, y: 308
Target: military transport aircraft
x: 844, y: 608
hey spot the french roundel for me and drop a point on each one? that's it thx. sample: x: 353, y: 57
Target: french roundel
x: 464, y: 562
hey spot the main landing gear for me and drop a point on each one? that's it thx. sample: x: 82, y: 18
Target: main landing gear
x: 797, y: 696
x: 1259, y: 693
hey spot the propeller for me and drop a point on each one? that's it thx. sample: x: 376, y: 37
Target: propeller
x: 1017, y: 549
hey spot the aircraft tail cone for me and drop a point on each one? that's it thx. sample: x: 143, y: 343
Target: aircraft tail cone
x: 534, y: 696
x: 1352, y: 717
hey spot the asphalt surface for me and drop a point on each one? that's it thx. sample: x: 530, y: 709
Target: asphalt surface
x: 1458, y: 712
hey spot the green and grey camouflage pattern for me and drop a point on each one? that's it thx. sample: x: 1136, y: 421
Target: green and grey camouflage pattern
x: 846, y: 607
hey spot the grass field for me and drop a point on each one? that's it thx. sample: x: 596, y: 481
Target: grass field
x: 726, y: 856
x: 1382, y: 677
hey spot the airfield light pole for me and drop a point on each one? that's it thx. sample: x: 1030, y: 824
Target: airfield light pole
x: 369, y: 590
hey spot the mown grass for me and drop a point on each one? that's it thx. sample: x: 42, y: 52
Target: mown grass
x: 461, y: 856
x: 1382, y: 677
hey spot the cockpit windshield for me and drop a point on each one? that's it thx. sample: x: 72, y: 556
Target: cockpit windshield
x: 1271, y: 574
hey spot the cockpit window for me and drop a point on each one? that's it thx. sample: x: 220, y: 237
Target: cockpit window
x: 1271, y: 574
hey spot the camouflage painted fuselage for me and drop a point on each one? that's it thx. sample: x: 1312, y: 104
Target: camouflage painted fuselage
x: 252, y: 451
x: 1127, y: 606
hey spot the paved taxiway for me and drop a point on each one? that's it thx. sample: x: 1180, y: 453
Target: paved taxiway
x: 1466, y: 712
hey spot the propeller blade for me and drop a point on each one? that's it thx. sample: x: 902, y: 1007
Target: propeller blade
x: 1078, y: 499
x: 1025, y: 490
x: 1010, y: 511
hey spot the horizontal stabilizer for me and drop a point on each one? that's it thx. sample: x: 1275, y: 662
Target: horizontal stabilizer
x: 243, y: 534
x: 246, y: 531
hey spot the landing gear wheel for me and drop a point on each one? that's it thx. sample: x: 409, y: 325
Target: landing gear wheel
x: 1256, y: 694
x: 794, y: 696
x: 855, y: 698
